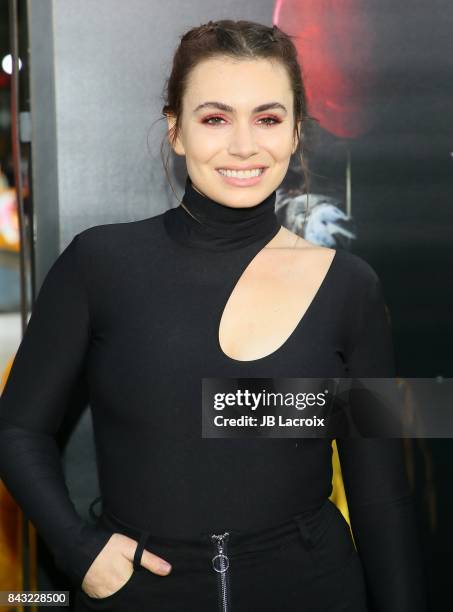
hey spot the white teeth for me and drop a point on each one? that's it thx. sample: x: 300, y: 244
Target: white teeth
x: 241, y: 174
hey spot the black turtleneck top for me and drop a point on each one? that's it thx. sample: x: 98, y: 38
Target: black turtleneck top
x: 133, y: 310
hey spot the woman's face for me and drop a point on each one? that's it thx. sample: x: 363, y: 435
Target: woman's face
x: 236, y: 134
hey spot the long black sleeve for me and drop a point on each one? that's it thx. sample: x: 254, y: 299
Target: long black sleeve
x: 44, y: 373
x: 379, y: 498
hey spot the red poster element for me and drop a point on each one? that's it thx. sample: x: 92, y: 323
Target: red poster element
x: 334, y: 39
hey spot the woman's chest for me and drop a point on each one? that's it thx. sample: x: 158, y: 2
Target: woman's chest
x: 161, y: 325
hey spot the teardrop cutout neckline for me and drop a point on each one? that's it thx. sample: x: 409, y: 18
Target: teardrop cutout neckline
x: 295, y: 331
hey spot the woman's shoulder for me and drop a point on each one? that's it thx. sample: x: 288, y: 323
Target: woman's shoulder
x: 101, y: 248
x: 351, y: 268
x: 356, y: 268
x: 120, y: 229
x: 118, y: 236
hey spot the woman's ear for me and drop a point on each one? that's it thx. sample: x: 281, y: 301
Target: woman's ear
x: 296, y: 139
x: 176, y: 145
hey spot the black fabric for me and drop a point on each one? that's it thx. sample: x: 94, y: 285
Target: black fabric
x: 134, y: 309
x: 306, y: 563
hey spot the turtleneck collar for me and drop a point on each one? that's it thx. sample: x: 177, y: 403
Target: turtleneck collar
x: 217, y: 226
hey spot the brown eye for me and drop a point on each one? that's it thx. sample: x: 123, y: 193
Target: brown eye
x: 273, y: 119
x: 208, y: 119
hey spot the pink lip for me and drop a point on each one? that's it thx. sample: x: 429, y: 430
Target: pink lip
x: 239, y: 168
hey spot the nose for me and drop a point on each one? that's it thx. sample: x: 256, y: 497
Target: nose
x: 242, y: 141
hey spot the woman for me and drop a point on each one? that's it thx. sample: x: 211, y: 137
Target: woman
x: 215, y: 287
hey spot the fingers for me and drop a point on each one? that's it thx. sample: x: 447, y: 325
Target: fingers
x: 149, y: 560
x: 155, y: 564
x: 125, y: 544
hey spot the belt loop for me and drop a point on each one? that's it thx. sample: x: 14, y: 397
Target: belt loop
x: 139, y: 549
x: 304, y: 532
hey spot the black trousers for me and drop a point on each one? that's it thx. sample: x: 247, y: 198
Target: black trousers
x: 307, y: 564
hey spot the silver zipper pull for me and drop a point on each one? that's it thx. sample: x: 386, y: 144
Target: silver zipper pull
x: 220, y: 562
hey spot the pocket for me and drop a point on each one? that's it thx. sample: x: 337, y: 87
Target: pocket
x: 327, y: 537
x: 116, y: 594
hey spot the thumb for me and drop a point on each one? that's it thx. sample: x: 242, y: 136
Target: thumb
x: 154, y: 563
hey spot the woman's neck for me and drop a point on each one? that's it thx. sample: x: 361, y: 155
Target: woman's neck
x: 202, y: 222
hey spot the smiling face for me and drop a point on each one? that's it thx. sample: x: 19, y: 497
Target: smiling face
x: 248, y: 123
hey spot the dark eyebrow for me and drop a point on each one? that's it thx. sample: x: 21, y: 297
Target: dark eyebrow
x: 230, y: 109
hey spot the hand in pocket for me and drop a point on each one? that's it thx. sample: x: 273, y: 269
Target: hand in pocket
x: 113, y: 567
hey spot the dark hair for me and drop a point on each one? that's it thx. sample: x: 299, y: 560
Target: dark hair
x: 238, y: 40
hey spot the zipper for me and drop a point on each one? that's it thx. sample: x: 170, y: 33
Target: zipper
x: 220, y: 563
